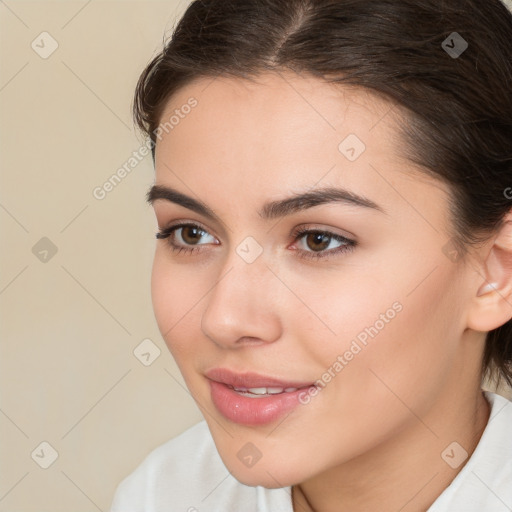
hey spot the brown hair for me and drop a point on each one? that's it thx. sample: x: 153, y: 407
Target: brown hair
x: 447, y: 63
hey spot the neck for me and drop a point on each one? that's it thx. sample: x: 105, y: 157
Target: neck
x: 407, y: 472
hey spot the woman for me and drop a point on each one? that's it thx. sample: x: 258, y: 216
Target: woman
x: 333, y: 270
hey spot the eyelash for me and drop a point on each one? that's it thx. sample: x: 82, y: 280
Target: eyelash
x: 168, y: 232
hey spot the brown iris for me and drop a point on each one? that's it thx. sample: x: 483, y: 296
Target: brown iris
x: 320, y: 241
x: 194, y: 232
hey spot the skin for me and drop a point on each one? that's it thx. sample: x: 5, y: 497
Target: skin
x: 372, y: 439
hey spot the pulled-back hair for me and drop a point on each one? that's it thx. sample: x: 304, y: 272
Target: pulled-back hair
x: 457, y: 100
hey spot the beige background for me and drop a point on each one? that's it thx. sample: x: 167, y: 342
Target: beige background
x: 70, y: 321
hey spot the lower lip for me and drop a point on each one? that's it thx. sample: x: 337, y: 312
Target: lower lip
x: 252, y: 411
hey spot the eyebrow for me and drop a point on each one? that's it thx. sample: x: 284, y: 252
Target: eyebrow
x: 270, y: 210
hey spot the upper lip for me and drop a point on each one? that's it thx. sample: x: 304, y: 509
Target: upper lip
x: 252, y: 380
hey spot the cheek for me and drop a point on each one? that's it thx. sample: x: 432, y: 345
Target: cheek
x: 176, y: 295
x: 395, y: 313
x: 164, y: 300
x: 398, y: 345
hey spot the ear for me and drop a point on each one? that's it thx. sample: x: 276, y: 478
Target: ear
x: 491, y: 306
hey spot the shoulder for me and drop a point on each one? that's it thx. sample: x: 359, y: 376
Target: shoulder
x: 485, y: 482
x: 181, y: 454
x: 494, y: 450
x: 187, y: 474
x: 167, y: 471
x: 495, y: 457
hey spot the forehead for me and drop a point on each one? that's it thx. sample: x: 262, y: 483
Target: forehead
x: 283, y: 95
x: 285, y: 132
x: 278, y: 116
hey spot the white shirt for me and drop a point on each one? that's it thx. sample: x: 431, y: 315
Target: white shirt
x: 186, y: 474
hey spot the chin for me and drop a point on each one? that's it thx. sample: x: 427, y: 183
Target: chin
x: 269, y: 478
x: 267, y: 472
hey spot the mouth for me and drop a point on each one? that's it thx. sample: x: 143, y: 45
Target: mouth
x: 261, y: 392
x: 253, y: 399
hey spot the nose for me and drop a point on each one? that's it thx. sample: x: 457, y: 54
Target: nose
x: 241, y: 308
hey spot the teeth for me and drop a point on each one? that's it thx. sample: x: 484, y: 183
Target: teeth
x: 257, y: 391
x: 264, y: 391
x: 274, y: 391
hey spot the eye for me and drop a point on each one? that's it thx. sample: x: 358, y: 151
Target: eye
x: 185, y: 235
x: 319, y: 241
x: 189, y: 234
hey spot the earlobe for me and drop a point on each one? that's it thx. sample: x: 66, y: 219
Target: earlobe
x: 492, y: 303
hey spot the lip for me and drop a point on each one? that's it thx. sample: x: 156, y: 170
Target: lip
x: 251, y: 380
x: 259, y: 410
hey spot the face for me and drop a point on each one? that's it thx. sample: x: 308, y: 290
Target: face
x: 327, y: 313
